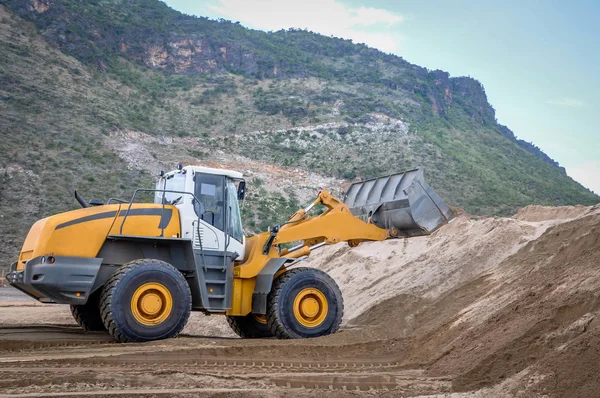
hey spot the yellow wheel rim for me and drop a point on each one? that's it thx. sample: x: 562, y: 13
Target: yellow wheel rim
x: 310, y: 307
x: 151, y: 304
x: 260, y: 318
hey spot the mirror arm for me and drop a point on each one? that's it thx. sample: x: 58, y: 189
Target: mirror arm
x: 81, y: 201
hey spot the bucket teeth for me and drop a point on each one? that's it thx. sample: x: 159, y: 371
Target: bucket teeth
x: 401, y: 202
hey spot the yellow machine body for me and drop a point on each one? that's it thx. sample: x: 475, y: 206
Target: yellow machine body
x: 72, y: 257
x: 133, y: 268
x: 82, y: 232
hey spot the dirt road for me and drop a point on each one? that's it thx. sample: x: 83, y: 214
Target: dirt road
x: 484, y: 307
x: 36, y: 360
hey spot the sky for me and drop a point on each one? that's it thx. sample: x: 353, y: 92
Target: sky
x: 537, y: 59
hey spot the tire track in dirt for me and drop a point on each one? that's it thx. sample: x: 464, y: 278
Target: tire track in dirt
x: 344, y: 375
x: 342, y: 379
x: 92, y: 362
x: 205, y: 392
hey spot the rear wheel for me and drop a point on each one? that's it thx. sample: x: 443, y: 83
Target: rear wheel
x: 304, y: 302
x: 250, y: 326
x: 145, y: 300
x: 88, y: 314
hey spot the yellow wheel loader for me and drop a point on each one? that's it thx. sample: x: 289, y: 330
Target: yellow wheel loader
x: 138, y: 269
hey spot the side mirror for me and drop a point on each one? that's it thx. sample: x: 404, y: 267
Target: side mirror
x: 241, y: 190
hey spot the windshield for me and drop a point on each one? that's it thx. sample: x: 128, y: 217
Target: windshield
x: 173, y: 182
x: 234, y: 217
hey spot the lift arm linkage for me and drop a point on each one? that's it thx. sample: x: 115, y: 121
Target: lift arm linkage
x: 336, y: 224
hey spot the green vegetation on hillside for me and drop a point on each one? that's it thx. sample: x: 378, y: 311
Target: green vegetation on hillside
x: 75, y: 73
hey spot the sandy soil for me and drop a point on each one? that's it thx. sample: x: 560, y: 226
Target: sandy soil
x: 484, y: 307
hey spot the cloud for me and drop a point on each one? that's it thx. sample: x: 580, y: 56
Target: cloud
x: 587, y: 174
x: 564, y: 101
x: 366, y: 25
x: 367, y: 16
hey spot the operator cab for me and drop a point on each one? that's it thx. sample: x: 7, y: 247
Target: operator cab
x: 208, y: 204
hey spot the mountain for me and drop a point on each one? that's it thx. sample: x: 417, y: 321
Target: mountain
x: 99, y: 95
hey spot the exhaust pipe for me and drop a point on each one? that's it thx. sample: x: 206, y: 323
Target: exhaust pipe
x: 401, y: 202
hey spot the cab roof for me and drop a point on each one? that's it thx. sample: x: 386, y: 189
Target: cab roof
x: 210, y: 170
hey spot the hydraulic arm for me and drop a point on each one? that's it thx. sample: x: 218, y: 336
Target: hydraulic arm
x: 401, y: 204
x: 336, y: 224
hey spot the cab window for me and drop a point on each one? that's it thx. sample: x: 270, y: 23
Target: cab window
x: 209, y: 191
x: 172, y: 182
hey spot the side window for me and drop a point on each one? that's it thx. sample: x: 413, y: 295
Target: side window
x: 234, y: 218
x: 209, y: 191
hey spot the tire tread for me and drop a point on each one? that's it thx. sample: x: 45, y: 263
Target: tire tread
x: 273, y: 319
x: 88, y: 316
x: 107, y: 297
x: 242, y: 326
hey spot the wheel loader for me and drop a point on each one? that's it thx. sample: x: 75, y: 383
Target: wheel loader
x: 137, y: 269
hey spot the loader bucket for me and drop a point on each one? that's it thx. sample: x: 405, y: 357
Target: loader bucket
x: 403, y: 201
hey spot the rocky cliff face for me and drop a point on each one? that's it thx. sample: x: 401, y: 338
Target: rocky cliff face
x: 152, y: 34
x: 147, y: 32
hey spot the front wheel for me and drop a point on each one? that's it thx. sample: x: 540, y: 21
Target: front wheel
x: 145, y: 300
x: 304, y: 302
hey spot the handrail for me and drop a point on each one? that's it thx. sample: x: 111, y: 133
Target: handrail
x: 116, y: 200
x: 163, y: 204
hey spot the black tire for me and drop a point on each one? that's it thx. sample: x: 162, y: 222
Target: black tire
x: 281, y: 319
x: 119, y: 290
x: 88, y: 315
x: 249, y: 327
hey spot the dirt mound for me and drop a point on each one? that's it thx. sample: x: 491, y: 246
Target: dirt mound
x: 424, y: 266
x: 543, y: 213
x: 540, y: 302
x: 500, y: 305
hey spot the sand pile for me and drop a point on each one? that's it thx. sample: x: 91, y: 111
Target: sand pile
x: 536, y: 322
x: 503, y: 306
x: 430, y: 266
x: 544, y: 213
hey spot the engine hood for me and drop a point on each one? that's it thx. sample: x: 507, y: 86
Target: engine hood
x: 82, y: 232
